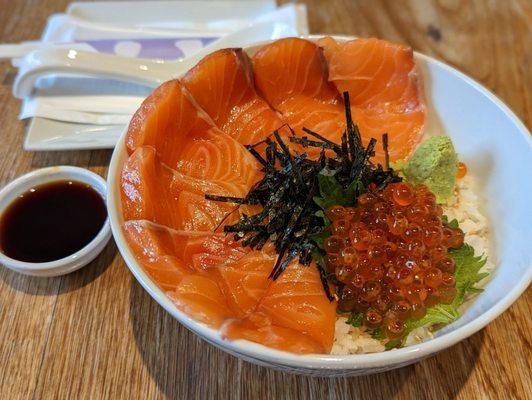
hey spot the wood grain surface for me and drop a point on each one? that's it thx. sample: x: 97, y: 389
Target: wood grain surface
x: 97, y: 334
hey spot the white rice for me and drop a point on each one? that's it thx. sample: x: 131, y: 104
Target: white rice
x: 467, y: 209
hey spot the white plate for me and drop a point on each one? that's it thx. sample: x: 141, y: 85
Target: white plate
x: 496, y: 147
x: 47, y: 134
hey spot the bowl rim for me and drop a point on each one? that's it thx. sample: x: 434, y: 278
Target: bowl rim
x: 256, y: 351
x: 75, y: 260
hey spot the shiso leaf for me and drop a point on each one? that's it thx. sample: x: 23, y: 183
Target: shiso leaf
x: 327, y: 183
x: 438, y: 314
x: 332, y: 193
x: 453, y: 223
x: 468, y: 268
x: 321, y: 214
x: 319, y: 237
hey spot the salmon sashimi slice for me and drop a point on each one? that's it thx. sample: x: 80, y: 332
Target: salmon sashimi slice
x: 291, y: 74
x: 291, y: 67
x: 383, y: 82
x: 196, y: 251
x: 207, y: 250
x: 186, y: 139
x: 153, y: 246
x: 328, y: 120
x: 222, y: 84
x: 378, y: 73
x: 150, y: 190
x: 245, y: 281
x: 218, y: 157
x: 295, y: 303
x: 199, y: 296
x: 259, y: 328
x: 296, y: 300
x: 164, y: 119
x: 404, y: 131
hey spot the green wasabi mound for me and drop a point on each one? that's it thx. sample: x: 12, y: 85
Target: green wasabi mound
x: 434, y: 164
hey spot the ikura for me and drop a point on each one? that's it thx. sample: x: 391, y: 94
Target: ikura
x: 461, y: 171
x: 390, y: 253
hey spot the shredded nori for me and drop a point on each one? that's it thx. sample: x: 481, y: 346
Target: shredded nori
x: 289, y: 186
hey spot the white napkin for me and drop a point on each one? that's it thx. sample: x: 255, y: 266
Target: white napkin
x: 86, y: 100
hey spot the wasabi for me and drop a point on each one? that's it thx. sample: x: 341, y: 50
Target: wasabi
x: 434, y: 164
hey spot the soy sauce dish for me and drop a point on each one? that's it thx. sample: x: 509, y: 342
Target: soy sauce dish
x: 53, y: 221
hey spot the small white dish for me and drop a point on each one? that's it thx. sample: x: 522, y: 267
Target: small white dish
x: 74, y: 261
x: 497, y: 149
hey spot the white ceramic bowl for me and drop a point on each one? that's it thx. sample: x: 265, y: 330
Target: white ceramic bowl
x: 80, y: 258
x: 496, y: 147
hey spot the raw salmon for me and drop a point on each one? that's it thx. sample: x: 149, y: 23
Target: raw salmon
x: 259, y: 328
x: 199, y: 296
x: 153, y: 246
x: 291, y: 75
x: 207, y: 250
x: 295, y: 301
x: 245, y: 280
x: 384, y: 87
x: 186, y: 139
x: 165, y: 117
x: 185, y: 264
x: 222, y: 84
x: 153, y: 191
x: 218, y: 158
x: 195, y: 251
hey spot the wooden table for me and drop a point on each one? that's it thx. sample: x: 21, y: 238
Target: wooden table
x: 97, y: 334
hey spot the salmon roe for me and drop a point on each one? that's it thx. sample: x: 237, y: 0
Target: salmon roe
x: 461, y: 171
x: 390, y: 254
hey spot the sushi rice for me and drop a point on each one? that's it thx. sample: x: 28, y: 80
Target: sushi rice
x: 466, y: 208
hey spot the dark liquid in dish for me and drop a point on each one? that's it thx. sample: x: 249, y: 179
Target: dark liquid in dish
x: 51, y: 221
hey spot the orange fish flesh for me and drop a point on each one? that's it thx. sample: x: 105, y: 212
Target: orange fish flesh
x: 384, y: 87
x: 222, y: 84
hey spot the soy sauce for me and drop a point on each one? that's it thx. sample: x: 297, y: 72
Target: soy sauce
x: 51, y: 221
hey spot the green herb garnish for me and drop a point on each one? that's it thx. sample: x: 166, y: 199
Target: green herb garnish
x: 377, y: 333
x: 452, y: 223
x: 355, y: 319
x: 332, y: 193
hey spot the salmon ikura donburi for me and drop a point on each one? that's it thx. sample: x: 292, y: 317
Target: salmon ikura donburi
x: 292, y: 198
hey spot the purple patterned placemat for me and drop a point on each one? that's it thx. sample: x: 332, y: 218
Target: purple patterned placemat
x: 160, y: 48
